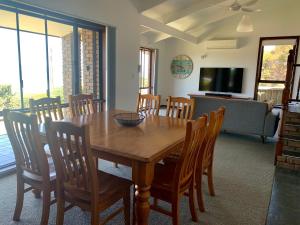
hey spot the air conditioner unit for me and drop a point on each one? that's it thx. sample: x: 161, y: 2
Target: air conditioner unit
x: 222, y: 44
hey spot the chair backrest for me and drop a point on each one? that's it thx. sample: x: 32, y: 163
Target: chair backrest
x: 184, y: 172
x: 180, y: 107
x: 74, y: 164
x: 214, y: 127
x: 81, y: 104
x: 148, y: 104
x: 24, y: 136
x: 46, y: 107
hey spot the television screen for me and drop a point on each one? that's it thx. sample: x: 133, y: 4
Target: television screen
x: 221, y: 79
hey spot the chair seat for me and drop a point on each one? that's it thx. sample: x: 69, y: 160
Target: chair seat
x: 111, y: 189
x: 36, y: 179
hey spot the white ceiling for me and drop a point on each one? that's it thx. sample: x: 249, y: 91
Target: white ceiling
x: 189, y: 20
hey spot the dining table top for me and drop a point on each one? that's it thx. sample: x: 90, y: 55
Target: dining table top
x: 147, y: 142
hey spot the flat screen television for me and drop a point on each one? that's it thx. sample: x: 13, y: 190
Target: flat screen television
x: 221, y: 79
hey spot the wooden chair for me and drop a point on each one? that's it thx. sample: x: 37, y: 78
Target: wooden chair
x: 205, y: 158
x: 180, y: 107
x: 32, y: 163
x: 78, y: 180
x: 148, y: 104
x: 172, y: 180
x: 46, y: 107
x: 81, y: 104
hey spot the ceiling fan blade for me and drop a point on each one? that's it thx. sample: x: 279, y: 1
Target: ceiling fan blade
x: 244, y: 9
x: 249, y: 3
x: 247, y: 10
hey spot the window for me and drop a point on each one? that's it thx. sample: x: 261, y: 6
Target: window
x: 47, y: 54
x: 147, y: 70
x: 10, y: 89
x: 59, y: 59
x: 272, y: 66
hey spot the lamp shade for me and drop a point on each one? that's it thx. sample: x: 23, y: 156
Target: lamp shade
x: 245, y: 25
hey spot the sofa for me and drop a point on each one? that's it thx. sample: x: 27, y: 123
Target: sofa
x: 241, y: 116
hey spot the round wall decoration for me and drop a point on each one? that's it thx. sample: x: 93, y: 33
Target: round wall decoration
x: 181, y: 66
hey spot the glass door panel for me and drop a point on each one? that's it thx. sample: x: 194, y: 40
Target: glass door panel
x: 89, y: 61
x: 145, y: 71
x: 270, y: 91
x: 273, y: 72
x: 10, y: 96
x: 33, y: 58
x: 274, y: 62
x: 60, y: 37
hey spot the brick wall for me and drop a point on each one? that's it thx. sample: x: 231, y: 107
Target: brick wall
x: 88, y: 83
x: 288, y: 162
x: 291, y: 142
x: 67, y: 66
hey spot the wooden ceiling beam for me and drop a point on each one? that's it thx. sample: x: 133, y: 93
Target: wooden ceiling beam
x: 179, y: 14
x: 160, y: 27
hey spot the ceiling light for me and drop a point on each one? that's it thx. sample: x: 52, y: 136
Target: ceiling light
x: 245, y: 25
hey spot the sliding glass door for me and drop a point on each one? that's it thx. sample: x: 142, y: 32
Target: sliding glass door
x: 60, y: 38
x: 10, y: 92
x: 33, y: 58
x: 45, y: 54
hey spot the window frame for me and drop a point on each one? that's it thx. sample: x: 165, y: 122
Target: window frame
x: 258, y: 79
x: 47, y: 15
x: 151, y: 69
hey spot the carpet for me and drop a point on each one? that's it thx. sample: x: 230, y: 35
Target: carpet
x: 243, y: 175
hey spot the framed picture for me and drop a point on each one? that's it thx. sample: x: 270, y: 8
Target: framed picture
x: 181, y: 66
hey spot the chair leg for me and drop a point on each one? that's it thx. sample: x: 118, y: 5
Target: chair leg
x: 155, y: 202
x: 210, y: 180
x: 126, y: 202
x: 200, y: 194
x: 60, y: 210
x: 20, y: 199
x: 95, y: 220
x: 46, y: 206
x: 175, y: 212
x: 133, y: 206
x: 192, y: 203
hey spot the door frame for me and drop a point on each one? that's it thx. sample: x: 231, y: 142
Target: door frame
x: 260, y: 58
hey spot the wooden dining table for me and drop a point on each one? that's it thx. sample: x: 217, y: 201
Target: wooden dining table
x: 139, y: 147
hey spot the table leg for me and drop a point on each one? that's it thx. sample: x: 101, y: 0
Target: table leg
x: 142, y: 174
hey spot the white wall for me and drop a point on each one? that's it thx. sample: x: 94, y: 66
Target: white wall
x: 278, y: 20
x: 122, y: 15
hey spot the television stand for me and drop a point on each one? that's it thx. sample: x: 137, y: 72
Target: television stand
x: 219, y: 95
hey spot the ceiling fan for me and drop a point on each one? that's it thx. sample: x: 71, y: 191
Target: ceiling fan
x: 236, y: 6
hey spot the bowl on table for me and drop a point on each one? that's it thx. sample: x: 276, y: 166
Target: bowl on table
x: 128, y: 119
